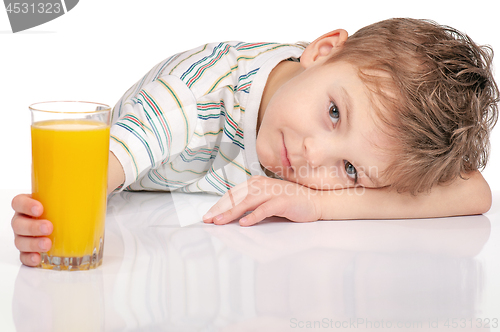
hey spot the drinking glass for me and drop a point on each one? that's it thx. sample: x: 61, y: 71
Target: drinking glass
x: 70, y: 149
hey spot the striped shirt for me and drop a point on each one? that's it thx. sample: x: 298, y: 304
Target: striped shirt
x: 190, y: 123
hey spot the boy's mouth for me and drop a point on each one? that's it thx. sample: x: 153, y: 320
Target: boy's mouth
x: 284, y: 154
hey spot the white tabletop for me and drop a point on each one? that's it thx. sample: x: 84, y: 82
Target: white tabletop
x: 164, y: 270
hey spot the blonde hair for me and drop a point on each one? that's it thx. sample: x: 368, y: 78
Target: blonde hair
x: 439, y: 99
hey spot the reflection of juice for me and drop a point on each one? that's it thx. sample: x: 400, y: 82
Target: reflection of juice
x: 70, y: 164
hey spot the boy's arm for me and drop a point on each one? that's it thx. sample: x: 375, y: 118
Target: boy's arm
x: 268, y: 197
x: 467, y: 196
x: 116, y: 175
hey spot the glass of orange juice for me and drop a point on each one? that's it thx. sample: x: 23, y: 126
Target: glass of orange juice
x: 70, y: 149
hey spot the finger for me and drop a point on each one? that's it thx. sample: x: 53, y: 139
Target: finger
x: 225, y: 203
x: 219, y: 216
x: 32, y: 244
x: 22, y: 225
x: 229, y: 200
x: 236, y: 212
x: 265, y: 210
x: 30, y: 258
x: 24, y: 204
x: 227, y: 216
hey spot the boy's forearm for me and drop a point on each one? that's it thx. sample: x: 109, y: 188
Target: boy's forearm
x: 461, y: 197
x: 116, y: 175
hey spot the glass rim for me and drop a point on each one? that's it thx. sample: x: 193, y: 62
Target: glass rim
x: 106, y: 109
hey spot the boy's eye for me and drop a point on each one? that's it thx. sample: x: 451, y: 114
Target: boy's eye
x: 333, y: 112
x: 350, y: 171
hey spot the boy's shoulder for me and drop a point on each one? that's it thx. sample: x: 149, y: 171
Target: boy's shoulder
x: 215, y: 67
x: 215, y: 62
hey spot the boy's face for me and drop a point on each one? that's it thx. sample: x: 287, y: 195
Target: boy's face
x: 319, y: 130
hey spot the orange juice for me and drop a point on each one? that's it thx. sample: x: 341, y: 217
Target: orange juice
x: 70, y: 165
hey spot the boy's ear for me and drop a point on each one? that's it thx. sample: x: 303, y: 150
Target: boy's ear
x: 323, y: 47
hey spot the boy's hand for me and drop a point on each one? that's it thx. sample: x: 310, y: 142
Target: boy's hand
x: 30, y: 233
x: 266, y: 197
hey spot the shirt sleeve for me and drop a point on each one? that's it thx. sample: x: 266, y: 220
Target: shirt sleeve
x: 152, y: 127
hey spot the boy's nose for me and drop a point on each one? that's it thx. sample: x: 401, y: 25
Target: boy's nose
x: 314, y: 153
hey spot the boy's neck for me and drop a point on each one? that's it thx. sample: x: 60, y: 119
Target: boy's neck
x: 282, y: 73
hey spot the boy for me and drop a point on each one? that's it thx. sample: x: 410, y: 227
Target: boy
x: 392, y: 122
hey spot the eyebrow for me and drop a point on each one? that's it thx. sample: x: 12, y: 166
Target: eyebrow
x: 373, y: 180
x: 347, y: 101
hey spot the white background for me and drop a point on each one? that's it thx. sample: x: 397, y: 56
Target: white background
x: 100, y: 48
